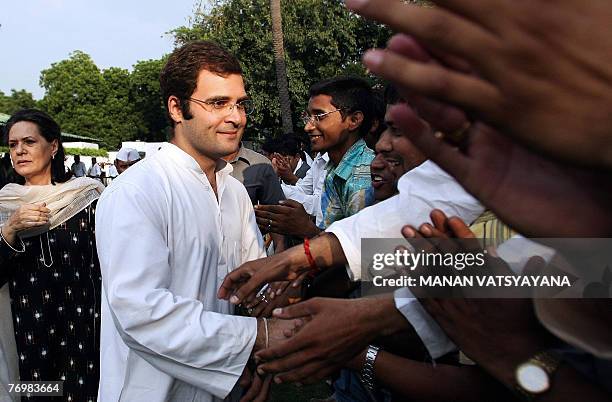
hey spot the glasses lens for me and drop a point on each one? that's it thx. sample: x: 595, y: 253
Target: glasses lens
x: 306, y: 118
x: 246, y: 106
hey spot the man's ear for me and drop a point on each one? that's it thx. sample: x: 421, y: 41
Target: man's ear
x: 174, y: 109
x: 355, y: 120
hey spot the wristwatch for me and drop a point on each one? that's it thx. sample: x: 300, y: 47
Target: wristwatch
x: 367, y: 371
x: 534, y: 376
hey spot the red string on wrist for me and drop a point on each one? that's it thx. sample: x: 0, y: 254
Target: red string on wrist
x: 314, y: 269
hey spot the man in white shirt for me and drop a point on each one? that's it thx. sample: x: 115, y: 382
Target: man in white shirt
x: 307, y: 191
x: 78, y: 167
x: 168, y: 230
x: 95, y: 171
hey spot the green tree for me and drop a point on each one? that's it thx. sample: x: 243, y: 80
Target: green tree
x: 90, y: 102
x: 281, y: 67
x: 321, y: 40
x: 17, y: 100
x: 145, y: 93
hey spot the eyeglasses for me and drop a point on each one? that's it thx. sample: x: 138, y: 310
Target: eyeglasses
x: 225, y: 107
x: 315, y: 118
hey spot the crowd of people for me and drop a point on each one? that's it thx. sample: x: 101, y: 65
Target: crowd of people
x: 209, y: 271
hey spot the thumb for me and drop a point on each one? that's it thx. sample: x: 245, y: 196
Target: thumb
x: 290, y: 203
x: 298, y: 310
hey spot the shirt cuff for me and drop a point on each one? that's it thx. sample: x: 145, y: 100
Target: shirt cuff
x: 351, y: 251
x: 434, y: 339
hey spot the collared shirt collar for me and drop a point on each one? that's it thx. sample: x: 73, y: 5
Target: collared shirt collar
x: 241, y: 155
x: 347, y: 163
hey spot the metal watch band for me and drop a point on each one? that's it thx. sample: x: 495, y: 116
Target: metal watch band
x: 549, y: 361
x: 367, y: 371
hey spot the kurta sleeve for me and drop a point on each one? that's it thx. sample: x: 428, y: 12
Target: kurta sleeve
x: 174, y: 334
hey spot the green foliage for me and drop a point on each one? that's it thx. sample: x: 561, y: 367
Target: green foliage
x: 74, y: 151
x: 16, y: 101
x: 145, y: 94
x: 322, y: 39
x: 87, y: 152
x: 90, y: 102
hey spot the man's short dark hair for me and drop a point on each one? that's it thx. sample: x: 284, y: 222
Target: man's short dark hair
x: 179, y: 77
x: 350, y: 94
x: 392, y: 97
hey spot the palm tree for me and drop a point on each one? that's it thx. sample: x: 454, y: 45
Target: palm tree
x: 281, y: 68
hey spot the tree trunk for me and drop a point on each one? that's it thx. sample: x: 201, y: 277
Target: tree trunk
x: 281, y: 68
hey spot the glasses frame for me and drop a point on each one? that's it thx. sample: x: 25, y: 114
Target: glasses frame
x: 315, y: 118
x: 227, y: 107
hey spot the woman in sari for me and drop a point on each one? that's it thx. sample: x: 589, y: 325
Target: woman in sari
x: 48, y: 259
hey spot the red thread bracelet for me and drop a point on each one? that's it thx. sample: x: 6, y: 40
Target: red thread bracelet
x: 314, y: 269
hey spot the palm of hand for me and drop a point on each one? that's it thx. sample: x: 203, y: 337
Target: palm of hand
x: 536, y: 196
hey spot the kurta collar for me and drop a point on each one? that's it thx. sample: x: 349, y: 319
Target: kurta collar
x: 187, y: 161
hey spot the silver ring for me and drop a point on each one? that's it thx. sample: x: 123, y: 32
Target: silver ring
x: 264, y: 299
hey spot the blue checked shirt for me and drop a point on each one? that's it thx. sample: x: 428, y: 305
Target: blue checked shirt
x: 346, y: 189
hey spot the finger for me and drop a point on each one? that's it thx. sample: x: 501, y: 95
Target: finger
x: 250, y: 287
x: 410, y: 232
x: 290, y: 203
x: 440, y: 116
x: 265, y: 389
x: 289, y: 361
x: 233, y: 281
x: 265, y: 210
x: 298, y: 310
x: 439, y: 220
x: 434, y: 81
x: 460, y: 229
x: 245, y: 378
x: 435, y: 27
x: 253, y: 390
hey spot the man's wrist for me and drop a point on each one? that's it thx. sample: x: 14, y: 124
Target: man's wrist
x: 260, y: 338
x: 503, y: 363
x: 382, y: 313
x: 312, y: 230
x: 291, y: 179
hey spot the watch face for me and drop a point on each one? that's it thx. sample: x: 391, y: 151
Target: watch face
x: 532, y: 378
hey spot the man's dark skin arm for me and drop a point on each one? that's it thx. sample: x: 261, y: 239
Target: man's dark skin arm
x: 461, y: 383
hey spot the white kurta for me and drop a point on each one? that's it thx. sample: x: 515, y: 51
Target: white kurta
x: 165, y: 244
x: 420, y: 190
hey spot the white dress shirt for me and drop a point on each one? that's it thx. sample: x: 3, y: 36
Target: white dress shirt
x: 420, y: 190
x: 165, y: 244
x: 307, y: 191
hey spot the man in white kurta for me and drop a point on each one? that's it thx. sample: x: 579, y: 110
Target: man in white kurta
x: 168, y: 231
x: 165, y: 244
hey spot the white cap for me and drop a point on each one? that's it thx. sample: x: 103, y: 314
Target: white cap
x: 127, y: 155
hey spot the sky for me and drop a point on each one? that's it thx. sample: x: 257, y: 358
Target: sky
x: 115, y: 33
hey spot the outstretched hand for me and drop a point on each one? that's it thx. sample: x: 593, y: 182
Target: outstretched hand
x: 532, y: 71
